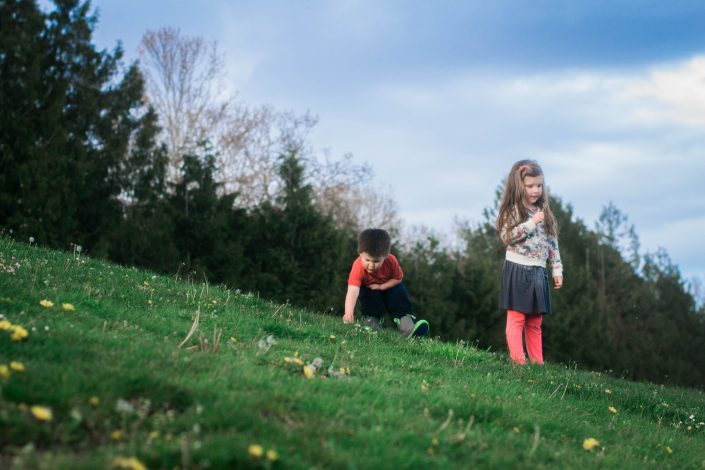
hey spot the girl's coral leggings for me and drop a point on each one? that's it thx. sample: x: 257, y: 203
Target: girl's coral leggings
x: 518, y: 323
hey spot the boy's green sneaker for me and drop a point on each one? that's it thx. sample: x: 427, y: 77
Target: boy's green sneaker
x: 408, y: 326
x: 372, y: 323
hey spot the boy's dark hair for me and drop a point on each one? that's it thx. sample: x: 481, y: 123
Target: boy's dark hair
x: 375, y: 242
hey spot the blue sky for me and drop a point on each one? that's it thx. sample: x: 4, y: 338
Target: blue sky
x: 442, y: 97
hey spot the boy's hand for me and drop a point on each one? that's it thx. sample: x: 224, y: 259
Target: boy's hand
x: 348, y: 318
x: 558, y: 282
x: 375, y: 287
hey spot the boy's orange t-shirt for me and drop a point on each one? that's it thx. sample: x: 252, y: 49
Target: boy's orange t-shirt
x: 390, y: 269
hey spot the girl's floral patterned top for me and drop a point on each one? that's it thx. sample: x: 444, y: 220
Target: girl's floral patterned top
x: 530, y: 245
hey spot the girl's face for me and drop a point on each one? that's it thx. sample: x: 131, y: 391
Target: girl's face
x: 533, y: 189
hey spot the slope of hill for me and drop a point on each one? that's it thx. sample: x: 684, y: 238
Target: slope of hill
x: 103, y: 366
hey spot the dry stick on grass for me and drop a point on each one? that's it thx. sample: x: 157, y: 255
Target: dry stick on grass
x: 204, y: 288
x: 535, y: 439
x: 445, y: 424
x: 217, y: 332
x: 567, y: 382
x: 455, y: 361
x: 194, y: 327
x: 460, y: 437
x: 279, y: 308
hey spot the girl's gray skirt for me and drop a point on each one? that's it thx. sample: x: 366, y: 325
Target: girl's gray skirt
x: 524, y: 289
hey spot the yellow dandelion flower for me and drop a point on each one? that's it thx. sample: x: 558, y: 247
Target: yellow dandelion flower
x: 590, y: 443
x: 308, y: 371
x: 272, y: 455
x: 342, y: 370
x: 17, y: 366
x: 297, y: 361
x: 669, y: 450
x: 68, y: 307
x: 608, y: 391
x: 94, y: 401
x: 18, y: 333
x: 4, y: 371
x: 516, y: 429
x: 331, y: 337
x: 233, y: 339
x: 255, y: 451
x: 46, y: 303
x: 42, y: 413
x: 117, y: 435
x: 130, y: 463
x: 612, y: 410
x: 424, y: 386
x: 5, y: 325
x: 149, y: 302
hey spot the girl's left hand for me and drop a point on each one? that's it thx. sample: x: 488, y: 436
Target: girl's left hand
x: 558, y: 282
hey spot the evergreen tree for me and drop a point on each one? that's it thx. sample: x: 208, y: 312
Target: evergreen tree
x: 146, y: 235
x: 295, y: 253
x: 209, y: 232
x: 429, y: 273
x: 68, y: 137
x: 23, y: 137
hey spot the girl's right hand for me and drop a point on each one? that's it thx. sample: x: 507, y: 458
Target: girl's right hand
x: 537, y: 217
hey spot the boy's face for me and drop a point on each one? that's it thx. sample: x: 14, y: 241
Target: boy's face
x: 371, y: 263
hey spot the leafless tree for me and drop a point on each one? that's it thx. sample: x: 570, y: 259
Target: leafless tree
x: 344, y: 191
x: 250, y: 145
x: 183, y: 81
x: 185, y: 77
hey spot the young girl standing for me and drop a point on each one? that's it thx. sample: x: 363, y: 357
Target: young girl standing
x: 527, y: 226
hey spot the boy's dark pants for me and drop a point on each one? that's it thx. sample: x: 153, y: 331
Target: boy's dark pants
x: 395, y: 301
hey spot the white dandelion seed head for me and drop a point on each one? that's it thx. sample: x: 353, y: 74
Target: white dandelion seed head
x: 317, y: 363
x: 124, y: 406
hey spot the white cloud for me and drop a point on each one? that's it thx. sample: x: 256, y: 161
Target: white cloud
x: 678, y: 92
x: 632, y: 137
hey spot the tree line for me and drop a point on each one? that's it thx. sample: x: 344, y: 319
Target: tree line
x: 89, y: 158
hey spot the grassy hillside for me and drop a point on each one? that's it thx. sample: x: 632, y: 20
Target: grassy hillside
x: 107, y: 376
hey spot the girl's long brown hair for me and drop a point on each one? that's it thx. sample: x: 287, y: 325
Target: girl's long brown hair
x: 513, y: 209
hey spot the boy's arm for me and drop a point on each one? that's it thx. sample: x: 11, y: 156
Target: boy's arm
x: 350, y: 300
x: 395, y: 278
x: 387, y: 285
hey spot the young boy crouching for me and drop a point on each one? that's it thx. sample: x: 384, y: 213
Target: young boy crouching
x: 376, y: 280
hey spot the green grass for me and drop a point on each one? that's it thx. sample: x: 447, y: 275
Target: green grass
x: 406, y: 404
